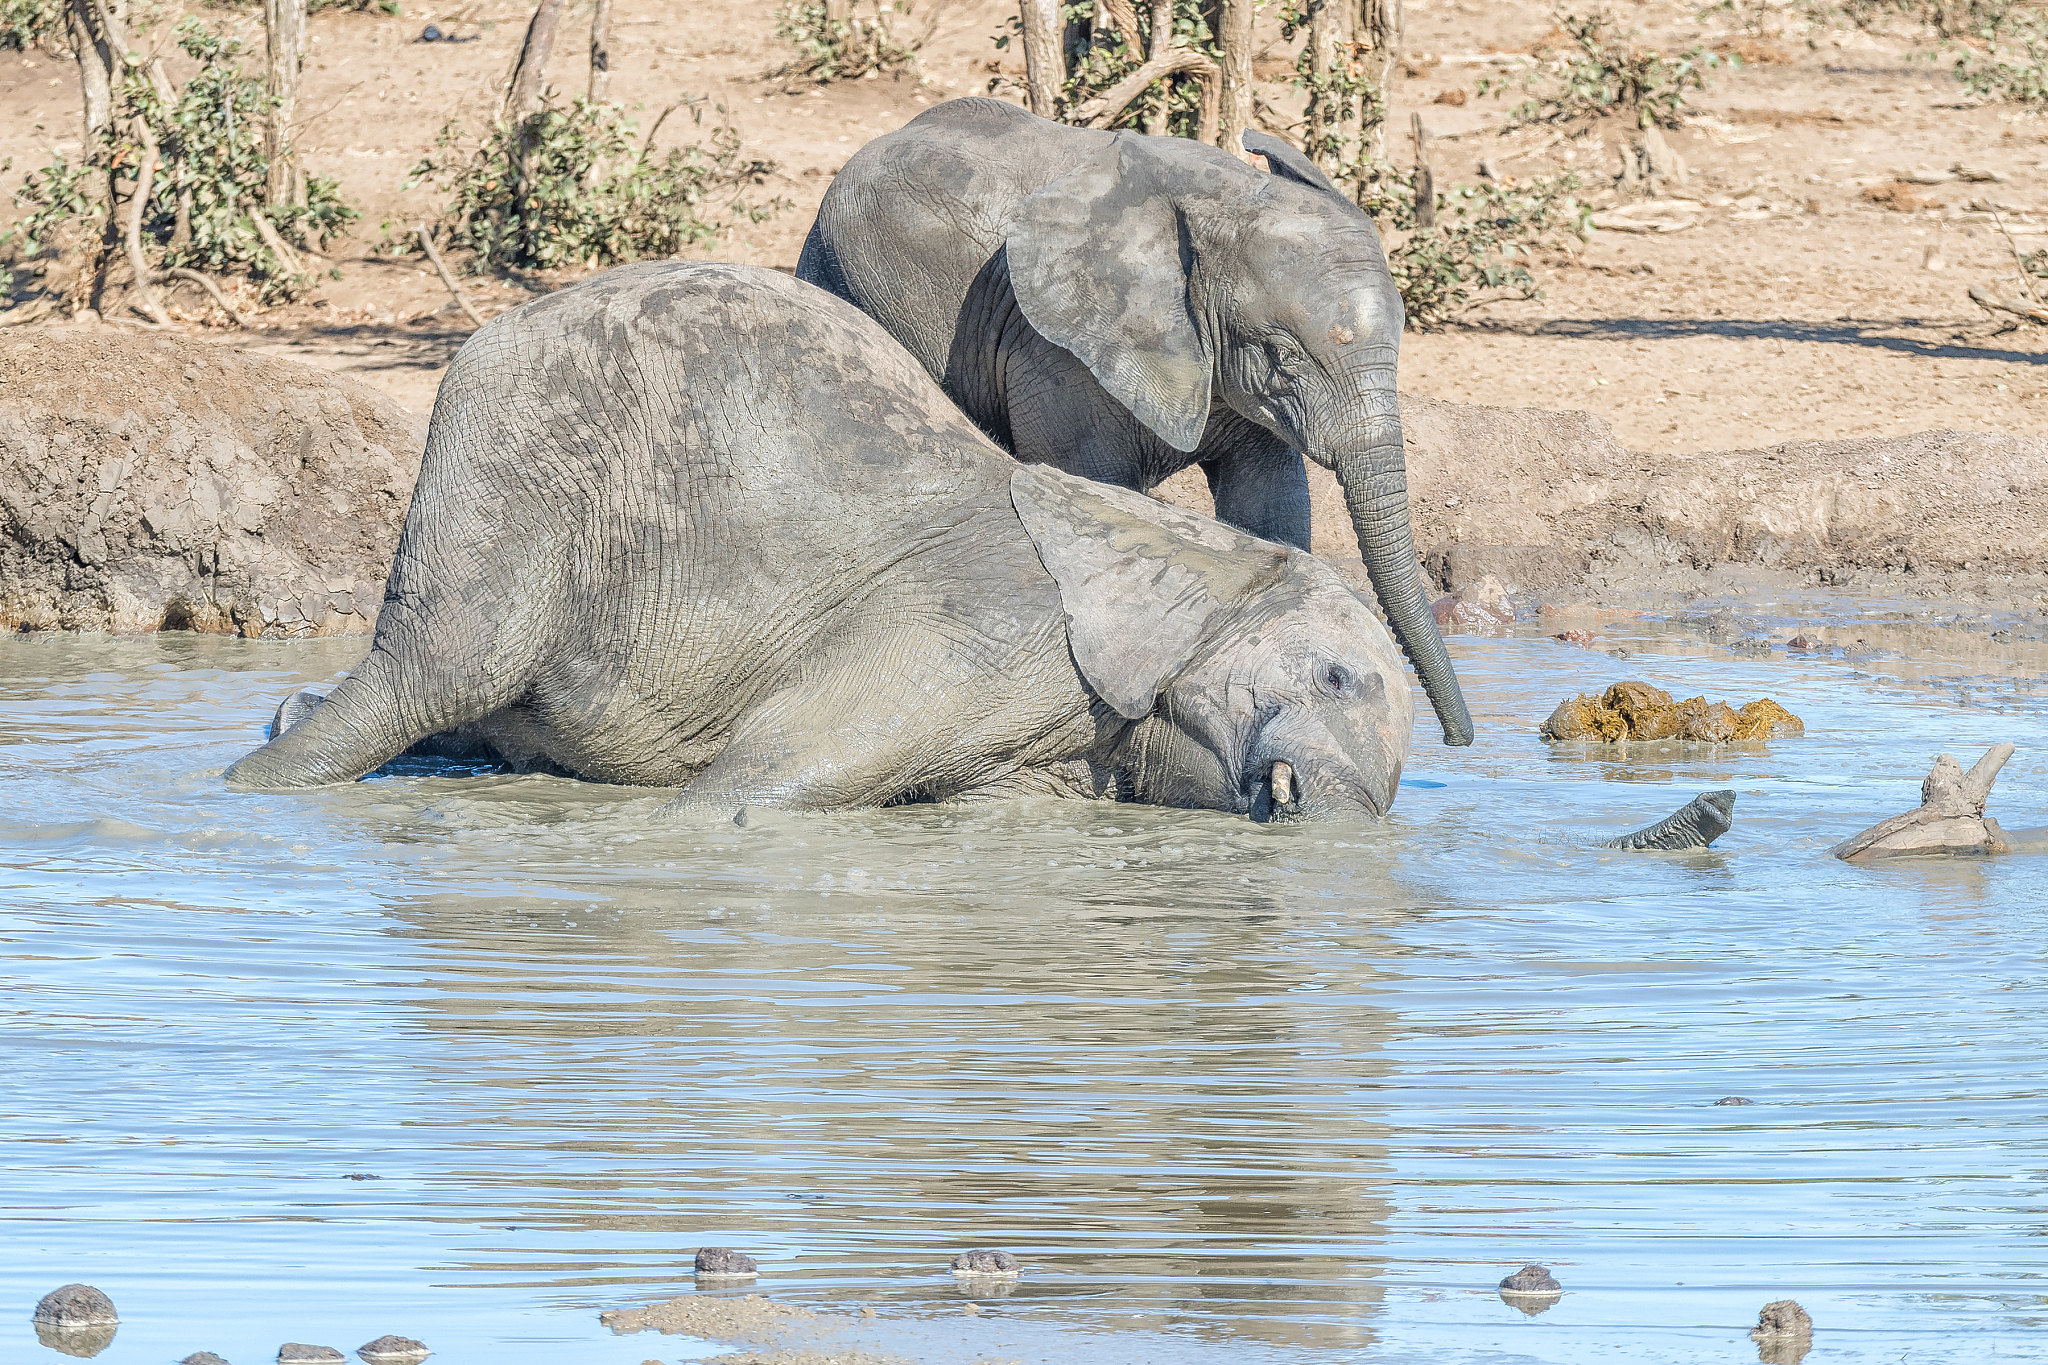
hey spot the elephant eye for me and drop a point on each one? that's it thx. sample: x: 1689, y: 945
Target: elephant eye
x: 1337, y: 678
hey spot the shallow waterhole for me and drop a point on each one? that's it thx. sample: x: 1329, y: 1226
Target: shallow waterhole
x: 1233, y: 1093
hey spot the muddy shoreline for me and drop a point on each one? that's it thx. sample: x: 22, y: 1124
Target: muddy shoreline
x: 241, y: 494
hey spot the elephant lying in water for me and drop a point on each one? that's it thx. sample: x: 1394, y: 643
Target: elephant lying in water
x: 706, y: 526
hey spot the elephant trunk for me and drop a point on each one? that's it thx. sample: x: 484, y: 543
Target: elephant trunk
x: 1374, y: 476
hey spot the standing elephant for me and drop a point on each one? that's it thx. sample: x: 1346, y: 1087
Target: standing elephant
x: 705, y: 526
x: 1122, y: 306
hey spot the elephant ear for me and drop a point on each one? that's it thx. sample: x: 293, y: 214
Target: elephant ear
x: 1290, y: 163
x: 1098, y: 260
x: 1142, y: 583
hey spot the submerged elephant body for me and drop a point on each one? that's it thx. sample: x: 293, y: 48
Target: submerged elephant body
x: 704, y: 526
x: 1123, y: 306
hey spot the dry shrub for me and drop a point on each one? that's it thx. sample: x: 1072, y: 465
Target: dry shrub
x: 1899, y: 197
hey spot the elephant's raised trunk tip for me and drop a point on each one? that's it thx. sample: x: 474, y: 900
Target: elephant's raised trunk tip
x: 1375, y: 483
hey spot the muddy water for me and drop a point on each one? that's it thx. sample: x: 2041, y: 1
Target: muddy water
x: 1233, y: 1093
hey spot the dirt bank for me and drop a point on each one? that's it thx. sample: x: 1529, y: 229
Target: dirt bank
x: 160, y: 482
x: 1552, y: 504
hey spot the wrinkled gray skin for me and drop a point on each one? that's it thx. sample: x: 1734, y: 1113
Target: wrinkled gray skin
x: 1703, y: 819
x: 1122, y: 306
x: 704, y: 526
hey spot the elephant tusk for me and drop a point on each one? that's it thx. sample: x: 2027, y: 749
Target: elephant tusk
x: 1283, y: 784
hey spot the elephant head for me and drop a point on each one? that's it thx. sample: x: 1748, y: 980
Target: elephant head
x: 1255, y: 680
x: 1179, y: 275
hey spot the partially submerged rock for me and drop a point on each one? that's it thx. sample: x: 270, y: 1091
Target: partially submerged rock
x: 1950, y: 820
x: 984, y: 1262
x: 1533, y: 1289
x: 1783, y: 1333
x: 393, y: 1350
x: 1635, y: 710
x: 1479, y: 608
x: 300, y: 1353
x: 75, y: 1305
x: 716, y: 1317
x: 202, y: 1358
x: 1696, y: 825
x: 725, y: 1263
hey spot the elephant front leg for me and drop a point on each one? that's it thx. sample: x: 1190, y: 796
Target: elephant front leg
x: 1261, y: 486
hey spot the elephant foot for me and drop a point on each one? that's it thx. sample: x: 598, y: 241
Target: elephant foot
x: 1704, y: 819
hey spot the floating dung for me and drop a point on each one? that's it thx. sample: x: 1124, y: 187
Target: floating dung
x: 300, y: 1352
x: 1702, y: 820
x: 1950, y: 820
x: 985, y: 1262
x: 1635, y: 710
x: 390, y: 1350
x: 1731, y: 1099
x: 75, y: 1305
x: 725, y: 1261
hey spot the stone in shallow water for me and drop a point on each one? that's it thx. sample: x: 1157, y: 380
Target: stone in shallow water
x: 985, y: 1262
x: 300, y: 1352
x: 1531, y: 1279
x: 75, y: 1305
x: 390, y: 1350
x: 724, y: 1261
x: 1783, y: 1334
x: 202, y: 1358
x: 1731, y: 1099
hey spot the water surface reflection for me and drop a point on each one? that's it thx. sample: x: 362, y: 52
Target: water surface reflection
x: 1233, y: 1092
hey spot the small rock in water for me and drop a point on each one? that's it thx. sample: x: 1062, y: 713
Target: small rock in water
x: 300, y: 1352
x: 1781, y: 1319
x: 1731, y: 1099
x: 402, y: 1350
x: 724, y: 1261
x: 1531, y: 1279
x: 984, y: 1262
x: 202, y: 1358
x: 1804, y: 642
x: 75, y: 1305
x: 1584, y: 639
x: 361, y: 1175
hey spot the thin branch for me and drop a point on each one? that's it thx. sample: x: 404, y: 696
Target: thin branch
x: 272, y: 238
x: 2021, y: 308
x: 427, y: 242
x: 138, y: 201
x: 1101, y: 111
x: 2017, y: 258
x: 181, y: 273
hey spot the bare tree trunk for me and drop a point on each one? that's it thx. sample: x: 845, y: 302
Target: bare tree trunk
x: 95, y: 62
x: 1045, y: 62
x: 529, y: 76
x: 1235, y: 36
x: 1162, y: 38
x: 1425, y: 181
x: 1329, y: 40
x: 138, y: 208
x: 284, y: 25
x: 1379, y: 28
x: 600, y: 50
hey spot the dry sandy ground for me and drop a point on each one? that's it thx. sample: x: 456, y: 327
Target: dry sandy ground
x: 1800, y: 311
